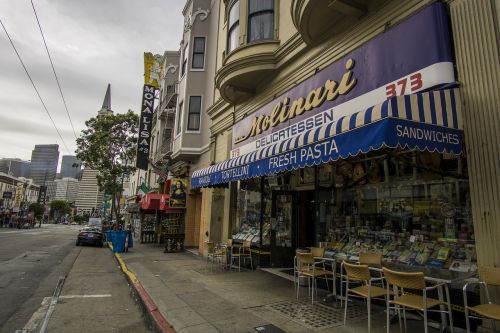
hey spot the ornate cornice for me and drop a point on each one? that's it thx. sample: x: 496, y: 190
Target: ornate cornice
x: 189, y: 21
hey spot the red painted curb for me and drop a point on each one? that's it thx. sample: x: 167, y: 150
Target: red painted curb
x: 161, y: 322
x: 146, y: 299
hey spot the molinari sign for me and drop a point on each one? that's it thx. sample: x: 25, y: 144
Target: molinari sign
x: 412, y: 56
x: 143, y: 143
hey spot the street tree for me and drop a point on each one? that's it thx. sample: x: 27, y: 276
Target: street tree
x: 60, y: 208
x: 108, y: 145
x: 37, y: 209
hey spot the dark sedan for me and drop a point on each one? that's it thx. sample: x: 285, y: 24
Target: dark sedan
x: 90, y: 235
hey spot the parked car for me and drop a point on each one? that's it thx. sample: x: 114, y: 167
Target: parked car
x: 90, y: 235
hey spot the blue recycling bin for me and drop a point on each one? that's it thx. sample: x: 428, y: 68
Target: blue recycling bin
x: 108, y: 236
x: 130, y: 239
x: 118, y: 240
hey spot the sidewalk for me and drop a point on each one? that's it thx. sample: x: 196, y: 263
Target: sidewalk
x: 95, y: 297
x: 195, y: 298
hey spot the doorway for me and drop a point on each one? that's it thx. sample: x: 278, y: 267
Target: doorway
x: 293, y: 225
x: 283, y: 228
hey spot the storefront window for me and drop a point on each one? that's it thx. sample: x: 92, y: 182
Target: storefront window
x: 248, y: 208
x: 420, y: 215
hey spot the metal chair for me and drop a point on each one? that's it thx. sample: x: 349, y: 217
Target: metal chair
x: 489, y: 276
x: 403, y: 281
x: 307, y: 267
x: 244, y: 251
x: 371, y: 259
x: 215, y: 253
x: 360, y: 274
x: 318, y: 253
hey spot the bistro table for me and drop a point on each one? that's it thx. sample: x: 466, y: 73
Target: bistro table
x: 332, y: 262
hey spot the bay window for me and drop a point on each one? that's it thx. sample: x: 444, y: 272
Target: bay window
x: 233, y: 26
x: 260, y: 20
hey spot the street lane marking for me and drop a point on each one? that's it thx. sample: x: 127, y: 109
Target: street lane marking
x: 38, y: 315
x: 85, y: 296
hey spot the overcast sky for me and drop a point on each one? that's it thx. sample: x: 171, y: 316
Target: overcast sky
x: 92, y: 43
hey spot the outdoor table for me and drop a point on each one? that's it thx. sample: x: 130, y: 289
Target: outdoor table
x: 333, y: 264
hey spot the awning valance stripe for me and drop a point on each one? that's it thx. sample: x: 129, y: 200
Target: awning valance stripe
x: 424, y: 121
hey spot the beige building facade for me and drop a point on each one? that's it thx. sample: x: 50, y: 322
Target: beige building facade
x: 266, y: 49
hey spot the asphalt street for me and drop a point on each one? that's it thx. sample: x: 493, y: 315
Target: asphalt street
x: 94, y: 297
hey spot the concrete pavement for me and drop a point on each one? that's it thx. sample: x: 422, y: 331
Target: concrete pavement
x: 95, y: 296
x: 193, y: 297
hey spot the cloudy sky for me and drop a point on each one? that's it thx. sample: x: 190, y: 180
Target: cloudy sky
x: 92, y: 43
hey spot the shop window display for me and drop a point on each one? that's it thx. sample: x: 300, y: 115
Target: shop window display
x: 172, y: 230
x: 248, y: 213
x: 148, y: 223
x: 414, y: 208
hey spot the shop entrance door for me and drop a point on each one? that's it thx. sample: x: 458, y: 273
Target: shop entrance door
x: 283, y: 228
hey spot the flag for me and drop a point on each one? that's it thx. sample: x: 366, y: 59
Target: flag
x: 144, y: 189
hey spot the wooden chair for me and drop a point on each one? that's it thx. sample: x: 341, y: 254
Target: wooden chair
x: 307, y: 267
x: 404, y: 281
x: 490, y: 276
x: 360, y: 274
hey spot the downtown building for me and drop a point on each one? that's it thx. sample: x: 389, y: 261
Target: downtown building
x: 89, y: 199
x: 67, y: 189
x: 180, y: 136
x: 15, y: 167
x: 44, y: 160
x: 71, y: 167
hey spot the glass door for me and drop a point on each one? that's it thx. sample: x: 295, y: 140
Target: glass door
x: 283, y: 233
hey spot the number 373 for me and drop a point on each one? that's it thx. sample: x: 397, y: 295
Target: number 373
x: 399, y: 88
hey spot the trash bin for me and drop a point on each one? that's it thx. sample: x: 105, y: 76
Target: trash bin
x: 130, y: 240
x: 118, y: 240
x: 108, y: 236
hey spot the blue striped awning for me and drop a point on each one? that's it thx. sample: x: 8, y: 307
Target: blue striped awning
x: 429, y: 121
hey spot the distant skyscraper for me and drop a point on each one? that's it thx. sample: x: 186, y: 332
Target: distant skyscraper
x: 44, y: 159
x: 67, y: 189
x: 89, y: 197
x: 15, y: 167
x: 67, y: 167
